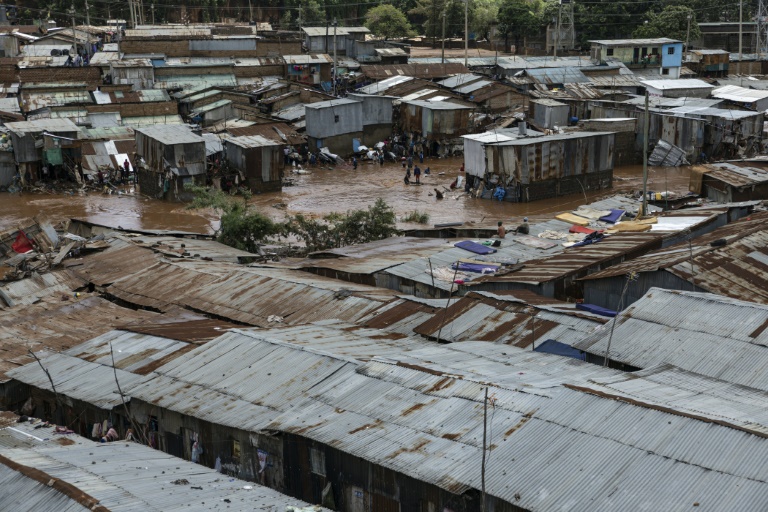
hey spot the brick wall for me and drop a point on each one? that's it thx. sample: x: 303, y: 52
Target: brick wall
x: 88, y: 75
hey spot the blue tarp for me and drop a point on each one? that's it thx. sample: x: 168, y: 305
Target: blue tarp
x: 613, y: 216
x: 598, y: 310
x: 560, y: 349
x: 480, y: 268
x: 474, y: 247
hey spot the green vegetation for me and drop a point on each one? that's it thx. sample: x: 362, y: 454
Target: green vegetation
x: 388, y: 22
x: 672, y: 22
x: 417, y: 217
x: 246, y: 229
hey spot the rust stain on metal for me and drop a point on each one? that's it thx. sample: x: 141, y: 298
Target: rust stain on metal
x: 154, y: 365
x: 441, y: 384
x: 452, y: 437
x: 366, y: 427
x: 414, y: 408
x: 413, y: 449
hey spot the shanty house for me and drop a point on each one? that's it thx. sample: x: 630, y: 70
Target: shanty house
x: 663, y: 54
x: 751, y: 99
x: 335, y: 124
x: 547, y: 113
x: 377, y: 116
x: 31, y: 150
x: 727, y: 182
x: 309, y: 69
x: 680, y: 88
x: 435, y: 120
x: 257, y: 158
x: 709, y: 63
x: 323, y: 40
x: 533, y: 168
x: 173, y: 157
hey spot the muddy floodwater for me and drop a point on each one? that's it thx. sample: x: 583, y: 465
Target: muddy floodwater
x: 328, y: 190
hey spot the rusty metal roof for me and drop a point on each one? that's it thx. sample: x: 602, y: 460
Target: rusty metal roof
x: 507, y: 317
x: 190, y: 331
x: 248, y: 295
x: 428, y: 71
x: 56, y: 324
x: 734, y: 174
x: 578, y: 259
x: 270, y: 131
x: 738, y: 269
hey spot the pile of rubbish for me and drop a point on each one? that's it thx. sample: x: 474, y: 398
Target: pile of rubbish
x: 37, y: 248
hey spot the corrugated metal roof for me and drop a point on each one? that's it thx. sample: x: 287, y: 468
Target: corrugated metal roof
x: 249, y: 296
x: 320, y: 58
x: 736, y: 174
x: 438, y: 105
x: 708, y: 334
x: 739, y: 94
x: 414, y: 69
x: 568, y: 75
x: 76, y: 378
x: 460, y: 79
x: 735, y: 269
x: 120, y: 476
x: 503, y: 317
x: 171, y: 134
x: 42, y: 125
x: 671, y: 388
x: 195, y: 82
x: 668, y: 85
x: 251, y: 141
x: 470, y: 88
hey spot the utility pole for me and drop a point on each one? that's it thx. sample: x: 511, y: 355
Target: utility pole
x: 442, y: 53
x: 87, y: 14
x: 250, y: 11
x: 299, y: 18
x: 485, y: 436
x: 646, y: 129
x: 153, y: 13
x: 466, y: 32
x: 335, y: 65
x: 687, y: 37
x: 557, y: 30
x: 741, y: 19
x: 74, y: 39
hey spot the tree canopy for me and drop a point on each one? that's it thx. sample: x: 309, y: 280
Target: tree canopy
x: 672, y: 22
x: 388, y: 22
x: 519, y: 19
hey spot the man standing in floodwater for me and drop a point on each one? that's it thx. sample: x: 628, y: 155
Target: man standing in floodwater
x: 417, y: 174
x: 501, y: 231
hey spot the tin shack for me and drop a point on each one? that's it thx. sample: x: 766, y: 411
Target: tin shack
x: 727, y: 182
x: 335, y: 124
x: 258, y: 159
x: 31, y: 149
x: 172, y: 158
x: 435, y: 120
x: 546, y: 113
x: 530, y: 168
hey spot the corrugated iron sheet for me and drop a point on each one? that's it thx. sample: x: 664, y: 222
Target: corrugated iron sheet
x: 126, y: 477
x: 708, y: 334
x: 736, y: 269
x: 418, y: 70
x: 502, y: 318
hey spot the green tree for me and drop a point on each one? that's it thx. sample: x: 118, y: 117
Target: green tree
x: 486, y: 12
x: 430, y: 12
x: 520, y: 19
x: 338, y: 230
x: 672, y: 22
x: 388, y: 22
x: 241, y: 227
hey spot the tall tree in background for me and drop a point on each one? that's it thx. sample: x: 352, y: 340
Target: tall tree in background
x: 520, y: 19
x: 672, y: 22
x: 431, y: 11
x: 486, y: 12
x: 388, y: 22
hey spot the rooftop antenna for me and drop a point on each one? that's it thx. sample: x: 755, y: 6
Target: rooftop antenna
x: 761, y: 22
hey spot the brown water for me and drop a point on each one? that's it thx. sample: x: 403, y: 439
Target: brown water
x: 327, y: 190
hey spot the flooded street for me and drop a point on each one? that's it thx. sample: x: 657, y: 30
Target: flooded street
x: 330, y: 190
